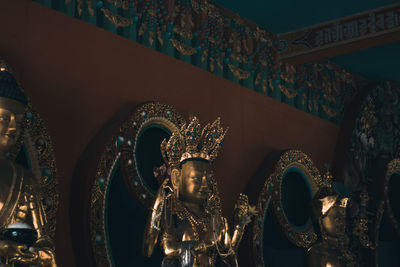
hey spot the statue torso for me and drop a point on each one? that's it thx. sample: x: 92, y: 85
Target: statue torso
x: 15, y: 193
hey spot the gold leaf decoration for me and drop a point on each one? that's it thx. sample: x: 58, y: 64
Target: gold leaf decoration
x: 151, y: 37
x: 330, y: 111
x: 238, y: 72
x: 258, y: 78
x: 288, y: 92
x: 142, y: 29
x: 184, y: 49
x: 271, y: 84
x: 310, y: 107
x: 264, y: 86
x: 211, y: 64
x: 79, y: 7
x: 116, y: 19
x: 219, y: 63
x: 159, y: 38
x: 90, y: 7
x: 204, y: 56
x: 315, y: 104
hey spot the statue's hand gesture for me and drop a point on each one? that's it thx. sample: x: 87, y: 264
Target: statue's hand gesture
x: 16, y: 253
x: 243, y: 211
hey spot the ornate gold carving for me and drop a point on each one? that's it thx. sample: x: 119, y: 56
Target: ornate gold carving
x: 116, y: 19
x: 298, y: 159
x: 151, y: 37
x: 190, y: 201
x: 238, y: 72
x: 192, y: 142
x: 288, y: 92
x: 159, y: 38
x: 392, y: 168
x: 331, y: 112
x: 367, y: 118
x: 184, y: 49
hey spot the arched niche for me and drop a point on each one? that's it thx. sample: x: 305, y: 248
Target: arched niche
x: 368, y: 141
x: 283, y: 229
x: 121, y: 186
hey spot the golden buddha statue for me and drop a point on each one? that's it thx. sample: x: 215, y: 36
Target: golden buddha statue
x: 23, y: 238
x: 187, y: 212
x: 330, y: 217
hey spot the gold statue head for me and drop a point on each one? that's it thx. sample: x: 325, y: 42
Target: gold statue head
x: 191, y: 181
x: 12, y: 110
x: 189, y: 153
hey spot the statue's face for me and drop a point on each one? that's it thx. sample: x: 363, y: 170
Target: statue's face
x: 11, y: 118
x: 194, y: 181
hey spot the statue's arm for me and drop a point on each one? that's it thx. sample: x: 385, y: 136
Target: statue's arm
x: 44, y: 247
x: 171, y: 246
x: 153, y: 225
x: 241, y: 217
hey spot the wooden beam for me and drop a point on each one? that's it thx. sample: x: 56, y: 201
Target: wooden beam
x: 341, y: 36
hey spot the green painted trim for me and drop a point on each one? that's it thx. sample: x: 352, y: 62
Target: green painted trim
x: 307, y: 182
x: 265, y: 52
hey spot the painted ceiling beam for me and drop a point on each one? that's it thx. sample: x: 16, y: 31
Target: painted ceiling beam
x: 341, y: 36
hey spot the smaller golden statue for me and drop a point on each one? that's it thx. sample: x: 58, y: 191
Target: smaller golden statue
x: 187, y: 212
x: 23, y: 237
x: 330, y: 216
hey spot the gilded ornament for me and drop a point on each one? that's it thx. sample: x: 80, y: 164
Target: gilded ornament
x: 151, y: 37
x: 288, y: 92
x: 184, y: 49
x: 117, y: 20
x: 211, y: 64
x: 392, y: 168
x: 264, y: 86
x: 238, y: 72
x: 368, y: 118
x: 159, y: 38
x: 142, y: 29
x: 331, y: 112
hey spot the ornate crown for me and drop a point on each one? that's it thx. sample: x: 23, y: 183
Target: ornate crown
x: 192, y: 142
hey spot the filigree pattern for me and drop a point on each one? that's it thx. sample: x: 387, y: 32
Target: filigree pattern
x: 300, y: 238
x: 393, y: 168
x: 40, y: 154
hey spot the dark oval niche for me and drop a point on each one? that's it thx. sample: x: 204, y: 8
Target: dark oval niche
x: 125, y: 221
x: 296, y: 198
x: 148, y: 153
x: 393, y: 195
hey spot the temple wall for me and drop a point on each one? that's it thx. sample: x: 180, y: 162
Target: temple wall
x: 78, y: 76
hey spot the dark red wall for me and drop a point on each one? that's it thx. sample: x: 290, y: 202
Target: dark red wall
x: 78, y: 76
